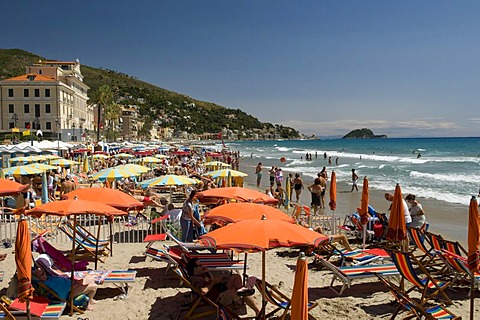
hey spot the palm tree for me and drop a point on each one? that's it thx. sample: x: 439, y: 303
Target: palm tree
x: 103, y: 98
x: 112, y: 113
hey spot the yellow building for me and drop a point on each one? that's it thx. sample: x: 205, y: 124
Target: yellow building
x: 51, y: 96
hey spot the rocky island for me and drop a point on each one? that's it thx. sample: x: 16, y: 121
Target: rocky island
x: 363, y: 134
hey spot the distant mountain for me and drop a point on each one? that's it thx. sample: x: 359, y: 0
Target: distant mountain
x: 363, y: 134
x: 158, y: 106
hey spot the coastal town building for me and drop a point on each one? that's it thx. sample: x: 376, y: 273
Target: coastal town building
x: 50, y: 99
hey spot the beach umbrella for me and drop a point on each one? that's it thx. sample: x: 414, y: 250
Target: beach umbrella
x: 112, y: 197
x: 50, y: 156
x: 288, y: 192
x: 134, y: 167
x: 397, y: 228
x: 237, y: 211
x: 237, y: 193
x: 38, y: 158
x: 42, y: 166
x: 364, y: 209
x: 261, y: 235
x: 161, y: 156
x: 23, y: 260
x: 99, y: 156
x: 10, y: 187
x: 168, y: 180
x: 225, y: 173
x: 333, y: 198
x: 112, y: 174
x: 473, y: 249
x: 73, y: 208
x: 85, y: 165
x: 21, y: 171
x: 299, y: 299
x: 151, y: 160
x: 64, y: 163
x: 217, y: 164
x: 124, y: 156
x: 21, y: 160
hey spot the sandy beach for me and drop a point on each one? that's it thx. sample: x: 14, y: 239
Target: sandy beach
x: 157, y: 294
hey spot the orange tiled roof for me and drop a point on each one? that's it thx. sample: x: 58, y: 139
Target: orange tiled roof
x: 26, y: 77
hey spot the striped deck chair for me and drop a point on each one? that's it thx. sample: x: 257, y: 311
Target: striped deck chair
x: 405, y: 262
x: 455, y: 247
x: 54, y: 310
x: 347, y: 274
x: 279, y: 300
x: 187, y: 246
x: 85, y: 246
x: 429, y: 256
x: 357, y: 257
x: 87, y: 235
x: 459, y: 267
x: 413, y: 308
x: 436, y: 240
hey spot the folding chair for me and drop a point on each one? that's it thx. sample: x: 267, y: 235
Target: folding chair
x: 63, y: 263
x: 429, y: 256
x: 358, y: 257
x: 279, y: 300
x: 436, y: 240
x: 455, y: 247
x: 85, y: 246
x: 414, y: 308
x: 405, y: 262
x: 347, y: 274
x: 458, y: 265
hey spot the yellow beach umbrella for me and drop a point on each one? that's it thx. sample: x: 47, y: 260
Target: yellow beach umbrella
x: 99, y: 156
x: 85, y: 165
x: 161, y: 156
x: 21, y: 171
x: 64, y: 163
x: 219, y: 164
x: 168, y: 180
x: 112, y: 174
x: 38, y: 158
x: 124, y: 156
x: 42, y: 166
x: 151, y: 160
x: 21, y: 160
x: 134, y: 167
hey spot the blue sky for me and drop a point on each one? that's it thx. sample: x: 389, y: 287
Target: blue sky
x: 401, y: 68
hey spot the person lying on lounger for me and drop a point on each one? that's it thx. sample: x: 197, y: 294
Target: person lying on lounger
x: 225, y: 289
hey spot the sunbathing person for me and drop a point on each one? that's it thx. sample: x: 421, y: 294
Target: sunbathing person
x: 339, y: 238
x: 61, y: 286
x: 224, y: 290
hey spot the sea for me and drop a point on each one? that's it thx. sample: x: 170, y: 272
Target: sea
x: 445, y: 169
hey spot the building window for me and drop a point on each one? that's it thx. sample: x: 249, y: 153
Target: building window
x: 26, y: 108
x: 26, y: 93
x: 10, y: 93
x: 37, y: 93
x: 48, y: 108
x: 11, y: 108
x: 40, y: 71
x: 47, y: 92
x: 48, y: 125
x: 37, y: 110
x: 11, y: 125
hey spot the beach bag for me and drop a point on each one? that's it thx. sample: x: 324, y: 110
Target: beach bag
x: 81, y: 301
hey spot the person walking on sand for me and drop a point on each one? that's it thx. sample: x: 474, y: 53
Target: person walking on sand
x: 272, y: 172
x: 258, y: 172
x: 323, y: 183
x: 316, y: 191
x: 354, y: 181
x: 298, y: 186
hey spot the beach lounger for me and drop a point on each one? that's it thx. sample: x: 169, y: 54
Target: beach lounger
x: 279, y: 300
x: 347, y: 274
x: 428, y: 256
x: 455, y: 247
x: 85, y: 246
x: 41, y: 245
x: 357, y: 257
x: 187, y: 246
x: 458, y: 265
x: 428, y: 287
x: 413, y: 308
x: 54, y: 310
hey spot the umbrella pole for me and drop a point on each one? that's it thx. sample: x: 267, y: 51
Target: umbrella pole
x: 364, y: 235
x: 72, y: 272
x: 29, y: 315
x: 245, y: 270
x: 96, y: 242
x: 472, y: 296
x: 111, y: 238
x: 264, y: 287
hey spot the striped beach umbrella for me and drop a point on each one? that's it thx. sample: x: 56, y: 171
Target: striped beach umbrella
x: 168, y: 180
x: 64, y: 163
x: 224, y: 173
x: 134, y: 167
x: 38, y: 158
x: 21, y: 171
x: 21, y: 160
x: 42, y: 166
x: 161, y: 156
x: 112, y: 174
x: 151, y: 160
x: 217, y: 164
x: 124, y: 156
x: 99, y: 156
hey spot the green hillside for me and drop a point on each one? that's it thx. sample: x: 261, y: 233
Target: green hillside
x: 156, y: 105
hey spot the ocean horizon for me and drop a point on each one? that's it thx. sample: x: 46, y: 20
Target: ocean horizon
x: 444, y: 169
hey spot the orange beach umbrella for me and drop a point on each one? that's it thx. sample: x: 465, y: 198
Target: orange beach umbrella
x: 10, y: 187
x: 237, y: 193
x: 397, y: 228
x: 364, y: 202
x: 333, y: 191
x: 233, y: 212
x: 23, y: 260
x: 473, y: 248
x: 111, y: 197
x: 300, y: 290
